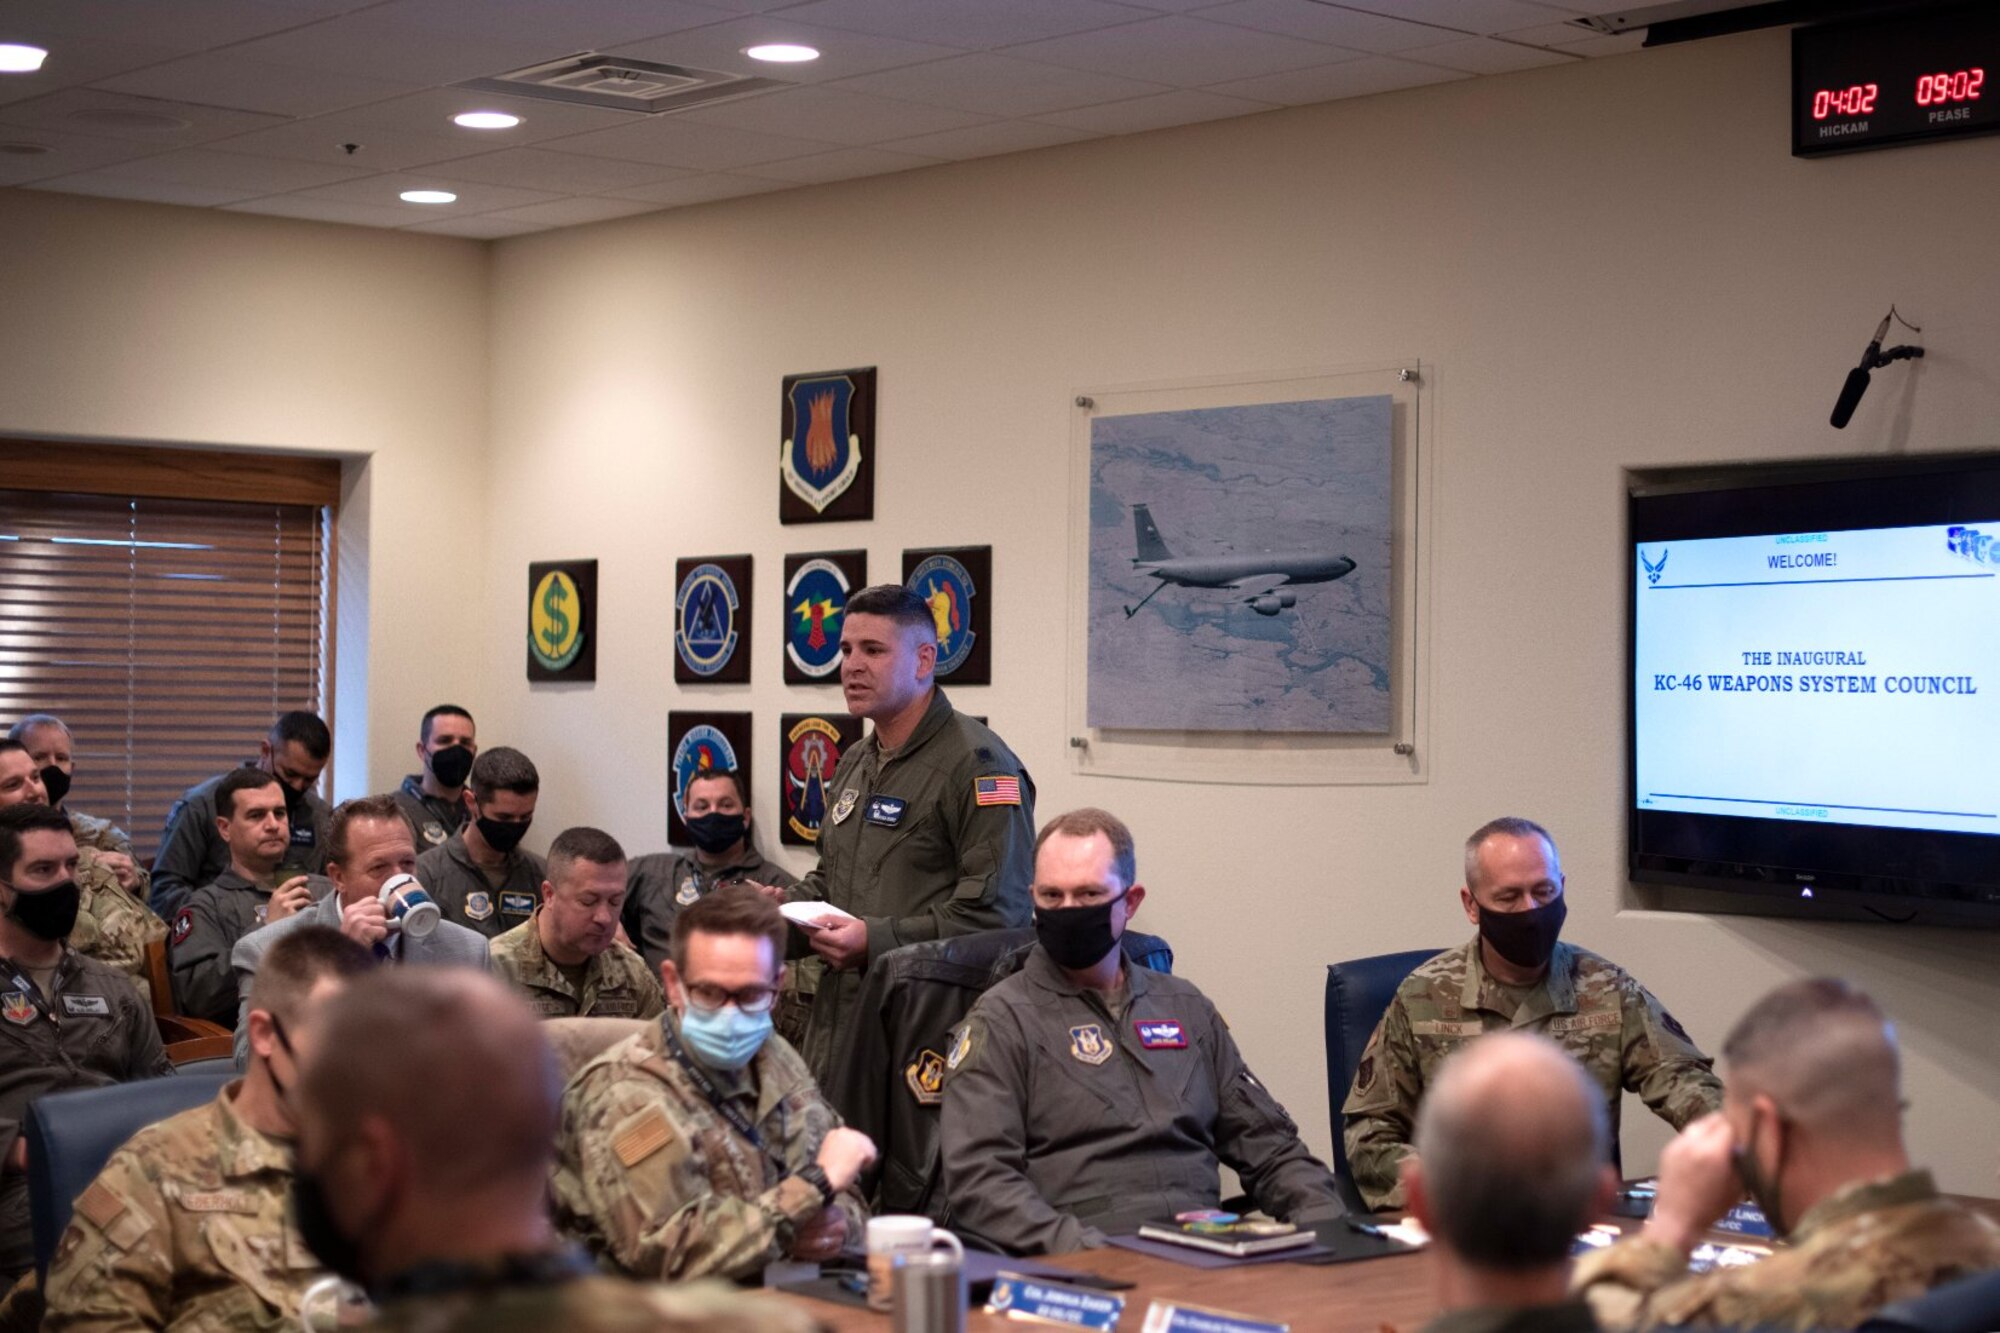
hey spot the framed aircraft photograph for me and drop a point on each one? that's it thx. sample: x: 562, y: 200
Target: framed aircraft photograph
x: 562, y: 620
x: 826, y: 447
x: 712, y: 620
x: 956, y: 583
x: 697, y: 743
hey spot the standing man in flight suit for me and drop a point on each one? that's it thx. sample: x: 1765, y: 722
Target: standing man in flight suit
x: 932, y: 822
x: 434, y: 800
x: 1084, y: 1097
x: 479, y: 876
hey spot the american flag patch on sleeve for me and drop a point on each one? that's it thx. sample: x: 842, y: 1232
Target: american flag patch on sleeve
x: 996, y: 791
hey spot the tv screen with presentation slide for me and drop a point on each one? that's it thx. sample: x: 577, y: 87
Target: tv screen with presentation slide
x: 1815, y: 688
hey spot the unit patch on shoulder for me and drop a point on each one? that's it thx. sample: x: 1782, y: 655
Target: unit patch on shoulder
x: 1673, y: 1025
x: 925, y: 1076
x: 183, y: 925
x: 961, y: 1046
x: 1088, y: 1043
x: 996, y: 791
x: 642, y: 1136
x: 478, y: 905
x: 1161, y: 1034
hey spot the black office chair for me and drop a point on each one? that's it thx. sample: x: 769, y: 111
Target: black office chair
x: 71, y: 1135
x: 1357, y: 993
x: 1969, y: 1305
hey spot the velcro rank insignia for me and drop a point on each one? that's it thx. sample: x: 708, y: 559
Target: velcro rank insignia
x: 642, y: 1136
x: 925, y: 1077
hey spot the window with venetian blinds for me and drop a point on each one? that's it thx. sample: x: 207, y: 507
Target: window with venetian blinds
x: 167, y: 629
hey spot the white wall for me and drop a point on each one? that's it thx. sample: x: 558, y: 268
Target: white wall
x: 143, y: 324
x: 1612, y: 265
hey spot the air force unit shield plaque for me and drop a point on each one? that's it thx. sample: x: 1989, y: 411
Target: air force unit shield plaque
x: 816, y: 591
x: 712, y: 621
x: 562, y: 620
x: 812, y: 744
x: 826, y: 461
x: 699, y: 743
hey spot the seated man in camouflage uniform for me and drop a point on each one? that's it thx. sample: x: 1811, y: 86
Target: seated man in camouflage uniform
x: 448, y: 1230
x: 53, y: 750
x: 1812, y: 1126
x: 187, y: 1222
x: 566, y: 959
x: 704, y: 1148
x: 1515, y: 975
x: 112, y: 926
x: 251, y: 816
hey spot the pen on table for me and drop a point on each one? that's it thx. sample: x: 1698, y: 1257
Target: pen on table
x: 1367, y: 1228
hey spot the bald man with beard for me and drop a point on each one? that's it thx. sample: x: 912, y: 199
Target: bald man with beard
x: 427, y: 1133
x: 1513, y: 1160
x: 1811, y: 1126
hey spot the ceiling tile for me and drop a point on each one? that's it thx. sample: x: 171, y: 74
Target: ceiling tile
x: 998, y: 85
x: 107, y: 185
x: 252, y: 176
x: 702, y: 189
x: 969, y: 23
x: 561, y: 27
x: 74, y: 61
x: 117, y: 116
x: 1337, y: 25
x: 833, y: 115
x: 473, y: 197
x: 323, y: 139
x: 1186, y: 52
x: 326, y: 210
x: 845, y: 164
x: 1549, y: 34
x: 221, y: 78
x: 574, y: 212
x: 489, y: 227
x: 842, y: 54
x: 540, y: 169
x: 1483, y: 55
x: 431, y: 112
x: 179, y: 26
x: 675, y: 141
x: 1000, y: 136
x: 1167, y: 6
x: 1470, y: 16
x: 1181, y: 107
x: 385, y: 45
x: 68, y: 154
x: 1349, y: 78
x: 1609, y: 45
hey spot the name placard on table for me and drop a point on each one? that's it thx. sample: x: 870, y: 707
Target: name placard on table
x: 1038, y: 1302
x: 1174, y: 1317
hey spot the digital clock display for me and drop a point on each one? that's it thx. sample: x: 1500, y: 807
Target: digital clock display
x: 1895, y: 80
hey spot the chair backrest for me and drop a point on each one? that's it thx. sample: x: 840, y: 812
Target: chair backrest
x: 158, y: 980
x: 578, y: 1041
x: 1357, y: 993
x: 71, y: 1135
x: 1968, y: 1305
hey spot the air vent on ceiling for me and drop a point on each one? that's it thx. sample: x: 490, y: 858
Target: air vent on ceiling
x: 620, y: 84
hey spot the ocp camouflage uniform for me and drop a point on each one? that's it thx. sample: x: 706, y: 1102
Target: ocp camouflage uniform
x: 101, y: 834
x: 1867, y: 1246
x: 185, y: 1228
x: 656, y: 1181
x: 112, y: 926
x: 216, y: 916
x: 471, y: 1301
x: 616, y: 983
x: 465, y: 895
x: 1589, y: 1006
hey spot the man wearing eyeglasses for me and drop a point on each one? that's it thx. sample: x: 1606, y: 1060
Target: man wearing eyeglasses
x: 1085, y: 1097
x: 702, y: 1147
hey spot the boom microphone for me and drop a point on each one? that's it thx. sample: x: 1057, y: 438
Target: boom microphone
x: 1874, y: 357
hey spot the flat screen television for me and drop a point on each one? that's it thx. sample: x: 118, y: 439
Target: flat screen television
x: 1814, y: 720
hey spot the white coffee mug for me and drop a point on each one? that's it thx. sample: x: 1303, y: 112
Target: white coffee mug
x: 410, y: 909
x: 900, y: 1234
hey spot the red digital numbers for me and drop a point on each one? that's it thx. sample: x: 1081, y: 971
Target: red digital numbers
x: 1857, y: 100
x: 1939, y: 89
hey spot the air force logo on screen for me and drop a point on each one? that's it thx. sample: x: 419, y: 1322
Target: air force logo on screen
x: 1654, y: 568
x: 1981, y: 548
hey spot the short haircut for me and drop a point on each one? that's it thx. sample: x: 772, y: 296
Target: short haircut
x: 733, y: 909
x: 306, y: 730
x: 733, y: 776
x: 1512, y: 826
x: 503, y: 768
x: 1090, y: 820
x: 19, y: 731
x: 1825, y: 1053
x: 442, y: 710
x: 582, y: 844
x: 895, y: 602
x: 18, y: 821
x: 8, y: 745
x: 295, y: 964
x: 347, y: 812
x: 1511, y: 1172
x: 240, y: 779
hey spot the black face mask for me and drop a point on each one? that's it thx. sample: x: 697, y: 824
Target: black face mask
x: 1077, y: 937
x: 47, y: 914
x: 57, y: 782
x: 717, y: 832
x: 452, y: 765
x: 1525, y: 939
x: 321, y: 1234
x: 502, y: 837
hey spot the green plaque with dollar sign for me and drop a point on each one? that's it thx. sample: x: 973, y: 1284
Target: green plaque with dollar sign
x: 562, y: 620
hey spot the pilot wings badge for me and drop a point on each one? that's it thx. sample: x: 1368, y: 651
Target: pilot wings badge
x: 1654, y: 568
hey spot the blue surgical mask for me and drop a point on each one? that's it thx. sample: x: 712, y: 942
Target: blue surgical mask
x: 725, y: 1038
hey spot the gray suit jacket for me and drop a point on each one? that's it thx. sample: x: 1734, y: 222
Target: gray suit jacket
x: 449, y: 943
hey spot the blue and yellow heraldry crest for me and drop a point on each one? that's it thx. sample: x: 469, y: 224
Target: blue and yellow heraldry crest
x: 1088, y: 1043
x: 822, y: 457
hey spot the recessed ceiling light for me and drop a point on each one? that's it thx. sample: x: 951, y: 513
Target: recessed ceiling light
x: 485, y: 120
x: 782, y: 53
x: 429, y: 197
x: 16, y: 58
